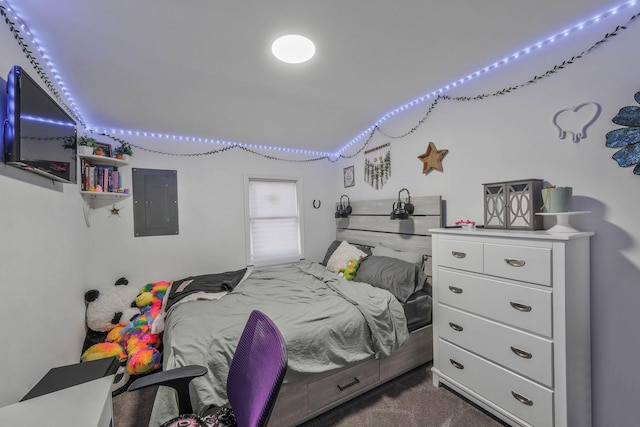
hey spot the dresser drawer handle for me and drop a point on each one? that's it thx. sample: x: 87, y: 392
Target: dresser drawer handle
x: 520, y: 307
x: 515, y: 262
x: 458, y: 254
x: 520, y: 398
x: 351, y: 384
x: 457, y: 328
x: 455, y: 290
x: 455, y: 364
x: 520, y: 352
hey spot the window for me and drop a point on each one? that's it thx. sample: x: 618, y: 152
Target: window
x: 273, y: 220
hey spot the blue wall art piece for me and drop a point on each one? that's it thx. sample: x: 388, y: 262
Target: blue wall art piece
x: 628, y: 137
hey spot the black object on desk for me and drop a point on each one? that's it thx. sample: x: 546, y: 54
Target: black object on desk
x: 68, y: 376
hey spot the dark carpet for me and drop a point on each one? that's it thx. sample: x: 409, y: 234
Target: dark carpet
x: 409, y: 401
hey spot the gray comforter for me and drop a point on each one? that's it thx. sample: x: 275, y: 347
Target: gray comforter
x: 326, y: 321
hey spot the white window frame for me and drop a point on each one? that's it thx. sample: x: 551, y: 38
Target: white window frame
x: 248, y: 219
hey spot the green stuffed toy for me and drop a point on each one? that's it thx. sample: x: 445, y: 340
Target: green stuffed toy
x: 349, y: 272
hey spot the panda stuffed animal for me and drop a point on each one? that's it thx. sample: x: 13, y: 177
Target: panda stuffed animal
x: 106, y: 310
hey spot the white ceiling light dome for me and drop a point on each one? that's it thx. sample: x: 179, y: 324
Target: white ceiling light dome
x: 293, y: 49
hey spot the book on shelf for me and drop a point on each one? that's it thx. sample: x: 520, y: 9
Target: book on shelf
x: 92, y: 175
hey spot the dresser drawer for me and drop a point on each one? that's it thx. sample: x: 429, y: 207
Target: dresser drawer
x: 343, y: 383
x: 460, y: 254
x: 526, y: 354
x: 524, y: 263
x: 525, y: 399
x: 516, y: 305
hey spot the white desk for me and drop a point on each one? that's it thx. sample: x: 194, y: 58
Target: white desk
x: 87, y: 404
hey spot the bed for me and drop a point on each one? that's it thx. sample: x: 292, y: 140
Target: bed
x: 343, y: 338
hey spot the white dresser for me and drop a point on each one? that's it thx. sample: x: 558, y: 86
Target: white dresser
x: 512, y: 325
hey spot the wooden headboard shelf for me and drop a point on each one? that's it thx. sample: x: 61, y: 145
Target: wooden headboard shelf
x: 370, y: 224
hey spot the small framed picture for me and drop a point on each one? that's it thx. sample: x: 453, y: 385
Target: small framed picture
x: 349, y: 179
x: 105, y: 148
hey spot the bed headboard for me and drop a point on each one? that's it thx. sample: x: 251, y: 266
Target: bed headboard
x: 370, y: 224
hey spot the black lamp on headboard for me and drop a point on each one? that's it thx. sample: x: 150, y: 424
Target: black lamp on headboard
x: 343, y: 210
x: 402, y: 210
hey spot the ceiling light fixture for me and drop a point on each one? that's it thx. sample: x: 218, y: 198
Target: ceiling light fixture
x: 293, y: 49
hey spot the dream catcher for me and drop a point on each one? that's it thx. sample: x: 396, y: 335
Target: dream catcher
x: 377, y: 166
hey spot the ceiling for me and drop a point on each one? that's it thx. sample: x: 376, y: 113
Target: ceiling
x: 203, y: 68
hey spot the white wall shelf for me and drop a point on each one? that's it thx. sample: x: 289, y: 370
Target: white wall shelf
x: 97, y: 199
x: 103, y: 160
x: 104, y: 195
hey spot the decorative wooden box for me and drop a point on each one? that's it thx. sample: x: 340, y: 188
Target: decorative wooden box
x: 513, y: 204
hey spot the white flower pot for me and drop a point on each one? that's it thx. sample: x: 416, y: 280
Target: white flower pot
x: 84, y: 150
x: 557, y: 199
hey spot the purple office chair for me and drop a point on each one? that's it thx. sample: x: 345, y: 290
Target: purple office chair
x: 256, y: 373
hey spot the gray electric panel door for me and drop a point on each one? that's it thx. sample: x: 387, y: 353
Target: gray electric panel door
x: 155, y: 202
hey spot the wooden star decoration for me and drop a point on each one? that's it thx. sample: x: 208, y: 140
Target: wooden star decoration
x: 432, y: 158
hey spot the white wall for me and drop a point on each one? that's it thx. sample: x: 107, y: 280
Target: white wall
x: 211, y: 214
x: 512, y: 137
x: 501, y: 138
x: 41, y: 308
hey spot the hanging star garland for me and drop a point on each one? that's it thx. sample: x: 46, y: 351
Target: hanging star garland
x: 432, y: 158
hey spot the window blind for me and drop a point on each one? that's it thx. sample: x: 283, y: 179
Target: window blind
x: 274, y: 221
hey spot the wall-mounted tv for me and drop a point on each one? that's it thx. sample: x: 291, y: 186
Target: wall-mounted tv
x: 36, y: 129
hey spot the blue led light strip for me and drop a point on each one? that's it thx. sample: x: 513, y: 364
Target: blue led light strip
x: 363, y: 135
x: 432, y: 95
x: 32, y: 41
x: 47, y: 120
x: 113, y: 132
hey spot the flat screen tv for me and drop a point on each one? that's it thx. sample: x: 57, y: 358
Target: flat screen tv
x: 36, y: 129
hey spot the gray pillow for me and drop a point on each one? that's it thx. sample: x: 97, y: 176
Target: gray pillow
x: 412, y: 257
x: 399, y: 277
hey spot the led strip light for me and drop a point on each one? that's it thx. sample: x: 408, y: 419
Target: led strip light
x: 432, y: 95
x: 508, y: 59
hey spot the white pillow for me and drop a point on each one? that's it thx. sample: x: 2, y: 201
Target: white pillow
x: 342, y: 255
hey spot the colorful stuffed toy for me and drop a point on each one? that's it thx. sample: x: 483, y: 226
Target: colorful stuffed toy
x: 349, y: 272
x: 134, y: 344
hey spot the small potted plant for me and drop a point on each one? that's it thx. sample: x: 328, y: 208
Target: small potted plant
x: 83, y: 145
x: 124, y: 150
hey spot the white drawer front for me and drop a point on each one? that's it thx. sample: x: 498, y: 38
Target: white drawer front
x: 525, y: 399
x: 527, y: 354
x: 517, y: 305
x: 518, y: 262
x: 460, y: 254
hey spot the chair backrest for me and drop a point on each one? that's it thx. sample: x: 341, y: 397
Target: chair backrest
x: 256, y: 372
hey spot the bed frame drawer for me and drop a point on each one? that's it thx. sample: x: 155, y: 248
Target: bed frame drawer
x: 336, y: 386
